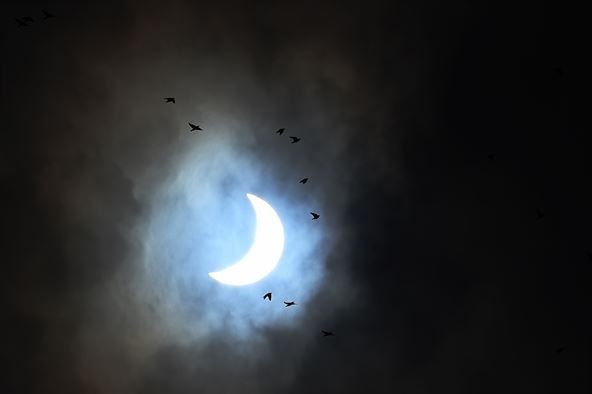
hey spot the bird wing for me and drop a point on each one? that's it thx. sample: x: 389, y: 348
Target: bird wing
x: 192, y: 125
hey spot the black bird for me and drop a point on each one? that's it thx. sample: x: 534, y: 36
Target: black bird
x: 289, y: 303
x: 315, y: 216
x: 28, y: 19
x: 327, y: 333
x: 169, y: 100
x: 491, y: 156
x: 21, y: 23
x: 540, y: 214
x: 559, y: 350
x: 280, y: 131
x: 47, y: 15
x: 267, y: 295
x: 194, y: 127
x: 304, y: 180
x: 295, y: 139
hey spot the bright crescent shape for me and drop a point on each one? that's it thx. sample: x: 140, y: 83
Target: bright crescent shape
x: 265, y: 252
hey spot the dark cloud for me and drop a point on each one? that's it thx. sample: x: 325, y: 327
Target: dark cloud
x: 427, y: 262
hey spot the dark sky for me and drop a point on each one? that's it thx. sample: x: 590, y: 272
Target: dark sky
x: 432, y: 133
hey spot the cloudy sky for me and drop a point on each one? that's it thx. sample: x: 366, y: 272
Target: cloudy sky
x: 445, y: 146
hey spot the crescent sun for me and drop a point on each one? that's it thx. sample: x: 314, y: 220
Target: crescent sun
x: 265, y: 252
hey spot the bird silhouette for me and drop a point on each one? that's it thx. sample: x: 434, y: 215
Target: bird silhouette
x: 267, y: 295
x: 28, y: 19
x: 47, y: 15
x: 289, y: 303
x: 294, y: 139
x: 559, y: 350
x: 280, y: 131
x: 169, y: 100
x: 540, y: 214
x: 315, y: 216
x: 194, y: 127
x: 304, y: 180
x: 491, y: 156
x: 327, y: 333
x: 21, y: 23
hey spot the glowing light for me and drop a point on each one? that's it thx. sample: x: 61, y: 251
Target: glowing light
x: 264, y: 255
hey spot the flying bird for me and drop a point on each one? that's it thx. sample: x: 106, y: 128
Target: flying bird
x: 540, y: 214
x: 280, y: 131
x: 295, y: 139
x: 169, y: 100
x: 289, y: 303
x: 327, y: 333
x: 315, y: 216
x: 28, y: 19
x: 21, y: 23
x: 194, y: 127
x: 559, y: 350
x: 304, y: 180
x: 491, y: 156
x: 47, y: 15
x: 267, y: 295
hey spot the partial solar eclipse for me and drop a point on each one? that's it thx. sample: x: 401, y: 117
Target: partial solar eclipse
x: 265, y: 252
